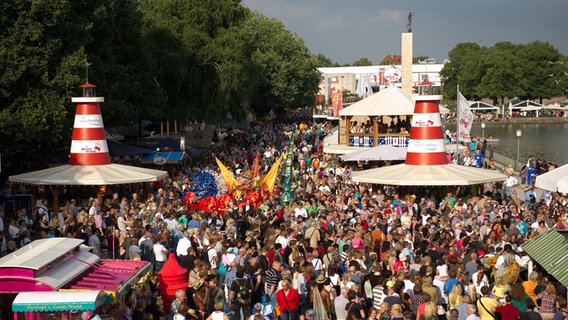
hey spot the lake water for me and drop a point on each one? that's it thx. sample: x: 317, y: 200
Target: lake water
x: 547, y: 141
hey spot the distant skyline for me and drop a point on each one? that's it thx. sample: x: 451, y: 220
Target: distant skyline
x: 345, y: 31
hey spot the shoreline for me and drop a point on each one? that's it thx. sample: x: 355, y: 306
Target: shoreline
x: 521, y: 120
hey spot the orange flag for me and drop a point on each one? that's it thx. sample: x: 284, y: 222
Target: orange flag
x: 269, y: 180
x: 227, y: 175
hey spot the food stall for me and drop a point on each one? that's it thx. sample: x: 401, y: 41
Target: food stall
x: 65, y: 265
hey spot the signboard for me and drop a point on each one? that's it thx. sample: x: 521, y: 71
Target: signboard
x: 392, y: 74
x: 159, y: 160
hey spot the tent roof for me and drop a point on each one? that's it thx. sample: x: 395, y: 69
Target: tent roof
x: 550, y: 250
x: 47, y: 258
x: 480, y: 105
x: 525, y: 103
x: 58, y: 301
x: 89, y: 175
x: 390, y: 101
x: 39, y: 253
x: 555, y: 180
x: 427, y: 175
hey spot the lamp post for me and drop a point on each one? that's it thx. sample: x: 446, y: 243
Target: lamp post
x: 519, y: 134
x: 483, y: 130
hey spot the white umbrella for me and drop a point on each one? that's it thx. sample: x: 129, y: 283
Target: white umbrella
x: 555, y: 180
x: 90, y: 175
x: 427, y: 175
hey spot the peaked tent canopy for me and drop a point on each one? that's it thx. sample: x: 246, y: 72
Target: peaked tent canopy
x: 523, y: 104
x: 391, y: 101
x: 481, y: 106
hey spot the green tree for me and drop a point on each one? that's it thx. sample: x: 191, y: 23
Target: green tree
x: 501, y: 74
x: 284, y: 71
x: 540, y: 70
x: 39, y: 69
x: 463, y: 69
x: 362, y: 62
x: 322, y: 61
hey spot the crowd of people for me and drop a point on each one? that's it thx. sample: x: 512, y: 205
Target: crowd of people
x: 338, y: 250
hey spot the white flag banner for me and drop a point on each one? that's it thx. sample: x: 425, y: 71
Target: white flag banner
x: 465, y: 119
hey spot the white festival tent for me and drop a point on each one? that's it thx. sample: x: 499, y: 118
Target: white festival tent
x: 482, y: 106
x: 555, y: 180
x: 426, y: 160
x: 391, y: 101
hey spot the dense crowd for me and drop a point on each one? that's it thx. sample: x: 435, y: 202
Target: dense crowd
x: 339, y: 250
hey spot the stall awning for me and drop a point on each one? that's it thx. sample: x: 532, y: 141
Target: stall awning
x: 58, y: 301
x: 550, y: 250
x: 164, y: 157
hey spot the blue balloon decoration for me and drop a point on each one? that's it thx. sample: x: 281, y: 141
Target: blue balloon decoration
x: 204, y: 183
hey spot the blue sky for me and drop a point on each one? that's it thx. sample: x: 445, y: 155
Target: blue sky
x: 346, y: 30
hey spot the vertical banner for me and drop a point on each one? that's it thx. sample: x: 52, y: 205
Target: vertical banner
x: 336, y: 103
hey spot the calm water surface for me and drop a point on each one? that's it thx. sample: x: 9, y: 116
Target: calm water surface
x: 546, y: 141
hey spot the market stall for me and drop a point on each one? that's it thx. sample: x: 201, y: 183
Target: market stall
x: 65, y: 264
x: 57, y: 305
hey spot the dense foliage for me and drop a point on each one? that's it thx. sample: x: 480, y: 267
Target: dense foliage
x: 152, y: 59
x: 532, y: 71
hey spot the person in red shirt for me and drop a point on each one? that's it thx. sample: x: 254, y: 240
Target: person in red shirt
x: 288, y: 300
x: 508, y: 311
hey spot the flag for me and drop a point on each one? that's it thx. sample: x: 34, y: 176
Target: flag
x: 227, y: 175
x: 269, y: 180
x: 465, y: 119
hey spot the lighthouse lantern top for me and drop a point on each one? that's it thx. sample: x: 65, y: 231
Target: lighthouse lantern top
x: 88, y: 90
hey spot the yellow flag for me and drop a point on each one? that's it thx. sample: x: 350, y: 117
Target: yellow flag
x: 228, y: 176
x: 269, y: 179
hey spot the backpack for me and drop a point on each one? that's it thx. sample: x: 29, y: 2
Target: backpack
x: 243, y: 296
x: 204, y: 256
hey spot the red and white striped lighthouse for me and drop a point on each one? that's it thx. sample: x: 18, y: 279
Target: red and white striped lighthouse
x: 88, y: 144
x: 426, y: 142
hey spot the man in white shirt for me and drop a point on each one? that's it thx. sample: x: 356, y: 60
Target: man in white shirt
x: 183, y: 245
x: 300, y: 211
x: 509, y: 184
x: 160, y: 255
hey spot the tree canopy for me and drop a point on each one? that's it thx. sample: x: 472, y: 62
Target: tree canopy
x: 152, y: 59
x: 506, y: 70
